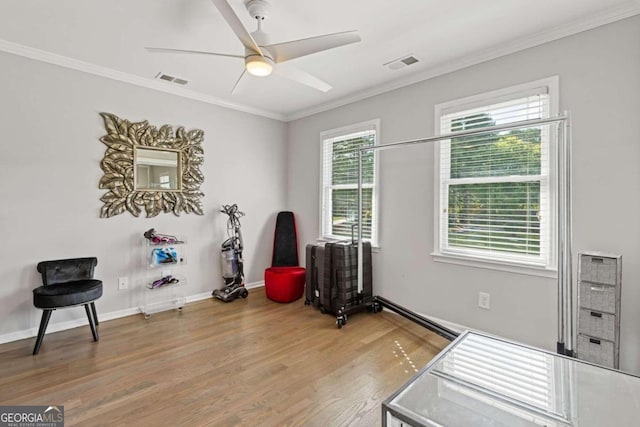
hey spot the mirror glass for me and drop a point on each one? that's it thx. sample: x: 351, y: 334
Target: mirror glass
x: 157, y: 169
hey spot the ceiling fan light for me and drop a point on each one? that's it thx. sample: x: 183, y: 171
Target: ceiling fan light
x: 259, y: 65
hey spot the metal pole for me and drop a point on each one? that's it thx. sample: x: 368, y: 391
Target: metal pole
x: 570, y: 344
x: 561, y: 185
x: 360, y: 257
x: 479, y: 131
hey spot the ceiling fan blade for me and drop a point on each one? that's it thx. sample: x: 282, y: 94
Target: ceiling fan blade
x: 297, y: 75
x: 237, y: 88
x: 199, y: 52
x: 294, y: 49
x: 234, y: 22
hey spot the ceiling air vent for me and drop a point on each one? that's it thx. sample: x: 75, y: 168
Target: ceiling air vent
x: 399, y: 63
x: 171, y: 79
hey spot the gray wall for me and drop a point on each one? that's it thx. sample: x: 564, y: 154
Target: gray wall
x: 599, y: 84
x: 50, y: 168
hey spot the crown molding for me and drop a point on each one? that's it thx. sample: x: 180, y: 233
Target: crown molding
x: 627, y: 10
x: 86, y: 67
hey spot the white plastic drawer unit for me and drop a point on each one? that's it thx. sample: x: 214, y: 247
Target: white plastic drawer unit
x: 599, y: 269
x: 599, y: 290
x: 597, y: 350
x: 597, y: 324
x: 598, y: 297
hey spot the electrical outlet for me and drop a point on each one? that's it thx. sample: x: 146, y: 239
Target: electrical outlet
x: 484, y: 300
x: 123, y: 283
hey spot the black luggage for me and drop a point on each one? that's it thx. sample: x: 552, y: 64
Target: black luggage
x: 339, y: 293
x: 314, y: 275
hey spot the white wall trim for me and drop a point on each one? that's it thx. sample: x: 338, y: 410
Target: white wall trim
x: 198, y: 297
x: 103, y: 317
x: 69, y: 324
x: 254, y: 285
x: 455, y: 327
x: 161, y: 86
x: 487, y: 264
x: 629, y: 9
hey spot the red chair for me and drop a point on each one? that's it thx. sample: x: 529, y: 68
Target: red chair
x: 284, y: 280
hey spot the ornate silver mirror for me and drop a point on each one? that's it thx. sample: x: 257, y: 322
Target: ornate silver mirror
x: 152, y: 168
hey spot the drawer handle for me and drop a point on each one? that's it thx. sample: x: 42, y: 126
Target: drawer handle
x: 596, y: 314
x: 597, y: 288
x: 597, y: 260
x: 594, y: 341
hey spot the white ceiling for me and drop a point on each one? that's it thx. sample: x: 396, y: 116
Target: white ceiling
x: 444, y: 35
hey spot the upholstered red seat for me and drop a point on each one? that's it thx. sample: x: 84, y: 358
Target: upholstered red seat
x: 284, y: 280
x: 284, y: 284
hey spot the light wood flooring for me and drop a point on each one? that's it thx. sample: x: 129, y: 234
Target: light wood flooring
x: 250, y: 362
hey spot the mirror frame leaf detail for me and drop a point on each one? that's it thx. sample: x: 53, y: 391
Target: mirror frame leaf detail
x: 121, y: 140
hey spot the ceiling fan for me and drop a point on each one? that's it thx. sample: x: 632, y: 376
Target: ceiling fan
x: 261, y: 57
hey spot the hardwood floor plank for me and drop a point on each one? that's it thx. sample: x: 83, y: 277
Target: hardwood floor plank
x: 249, y: 362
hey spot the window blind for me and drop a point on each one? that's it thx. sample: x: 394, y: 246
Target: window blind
x: 494, y: 187
x: 340, y: 182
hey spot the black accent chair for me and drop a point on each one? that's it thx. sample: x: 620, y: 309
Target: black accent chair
x: 67, y: 283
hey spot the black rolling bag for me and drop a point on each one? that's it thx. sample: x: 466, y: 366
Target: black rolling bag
x: 339, y: 292
x: 314, y: 275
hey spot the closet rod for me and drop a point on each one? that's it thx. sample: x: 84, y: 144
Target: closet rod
x: 477, y: 131
x: 566, y: 331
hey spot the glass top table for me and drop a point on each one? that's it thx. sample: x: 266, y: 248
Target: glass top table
x: 481, y: 380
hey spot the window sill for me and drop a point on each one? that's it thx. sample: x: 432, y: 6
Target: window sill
x: 374, y: 248
x: 511, y: 267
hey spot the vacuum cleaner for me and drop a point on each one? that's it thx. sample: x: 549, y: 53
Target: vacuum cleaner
x: 231, y: 257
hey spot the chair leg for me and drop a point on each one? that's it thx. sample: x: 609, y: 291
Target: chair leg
x: 46, y: 315
x: 95, y: 313
x: 92, y: 323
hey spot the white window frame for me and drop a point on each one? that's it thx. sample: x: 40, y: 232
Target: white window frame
x: 544, y: 268
x: 325, y: 189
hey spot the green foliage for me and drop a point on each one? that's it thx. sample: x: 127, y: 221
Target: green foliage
x: 345, y: 161
x: 501, y: 216
x: 345, y: 172
x: 345, y: 211
x: 498, y: 216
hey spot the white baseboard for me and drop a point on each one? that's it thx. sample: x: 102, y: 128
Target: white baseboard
x: 68, y: 324
x: 103, y: 317
x: 455, y: 327
x: 254, y: 285
x: 198, y: 297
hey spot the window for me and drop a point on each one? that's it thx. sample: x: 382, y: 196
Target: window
x: 339, y: 204
x: 496, y: 190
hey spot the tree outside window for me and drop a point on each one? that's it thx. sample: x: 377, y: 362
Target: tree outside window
x: 340, y: 183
